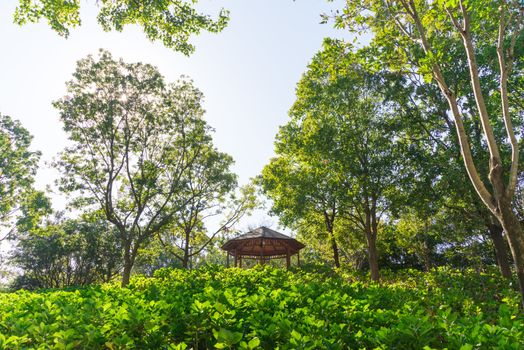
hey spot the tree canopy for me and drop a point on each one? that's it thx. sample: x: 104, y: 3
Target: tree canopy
x: 170, y: 21
x: 138, y: 147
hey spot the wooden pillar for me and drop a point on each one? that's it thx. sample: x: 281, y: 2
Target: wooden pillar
x: 240, y: 261
x: 227, y: 259
x: 262, y: 251
x: 298, y: 258
x: 236, y: 258
x: 288, y: 259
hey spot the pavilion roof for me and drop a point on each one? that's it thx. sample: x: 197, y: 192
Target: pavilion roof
x: 262, y: 241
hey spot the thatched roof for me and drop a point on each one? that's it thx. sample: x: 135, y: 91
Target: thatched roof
x: 262, y: 242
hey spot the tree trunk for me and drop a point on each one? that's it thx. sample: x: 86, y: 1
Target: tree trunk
x: 329, y: 220
x: 426, y: 252
x: 185, y: 260
x: 501, y: 254
x: 128, y: 265
x: 371, y: 236
x: 511, y: 226
x: 373, y: 256
x: 334, y: 246
x: 426, y: 249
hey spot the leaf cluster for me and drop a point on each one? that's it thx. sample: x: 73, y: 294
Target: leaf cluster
x: 172, y: 22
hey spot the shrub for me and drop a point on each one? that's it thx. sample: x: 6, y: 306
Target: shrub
x: 215, y: 307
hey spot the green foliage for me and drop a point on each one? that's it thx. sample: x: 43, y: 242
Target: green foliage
x: 264, y: 308
x: 17, y: 168
x: 170, y: 21
x: 34, y: 208
x: 67, y: 252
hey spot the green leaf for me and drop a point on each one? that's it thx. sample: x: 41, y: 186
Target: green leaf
x: 253, y: 343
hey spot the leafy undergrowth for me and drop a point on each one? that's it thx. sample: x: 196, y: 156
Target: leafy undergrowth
x: 266, y: 308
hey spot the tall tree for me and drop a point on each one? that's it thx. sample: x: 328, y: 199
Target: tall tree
x: 302, y: 190
x: 342, y: 129
x: 422, y: 36
x: 134, y: 144
x: 440, y: 182
x: 18, y: 164
x: 169, y: 21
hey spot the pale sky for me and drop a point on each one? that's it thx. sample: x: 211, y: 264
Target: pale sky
x: 247, y: 73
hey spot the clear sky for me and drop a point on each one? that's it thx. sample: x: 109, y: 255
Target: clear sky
x: 247, y: 73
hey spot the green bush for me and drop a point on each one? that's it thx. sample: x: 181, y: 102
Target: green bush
x: 266, y: 308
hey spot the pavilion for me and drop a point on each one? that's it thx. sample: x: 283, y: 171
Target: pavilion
x: 262, y: 244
